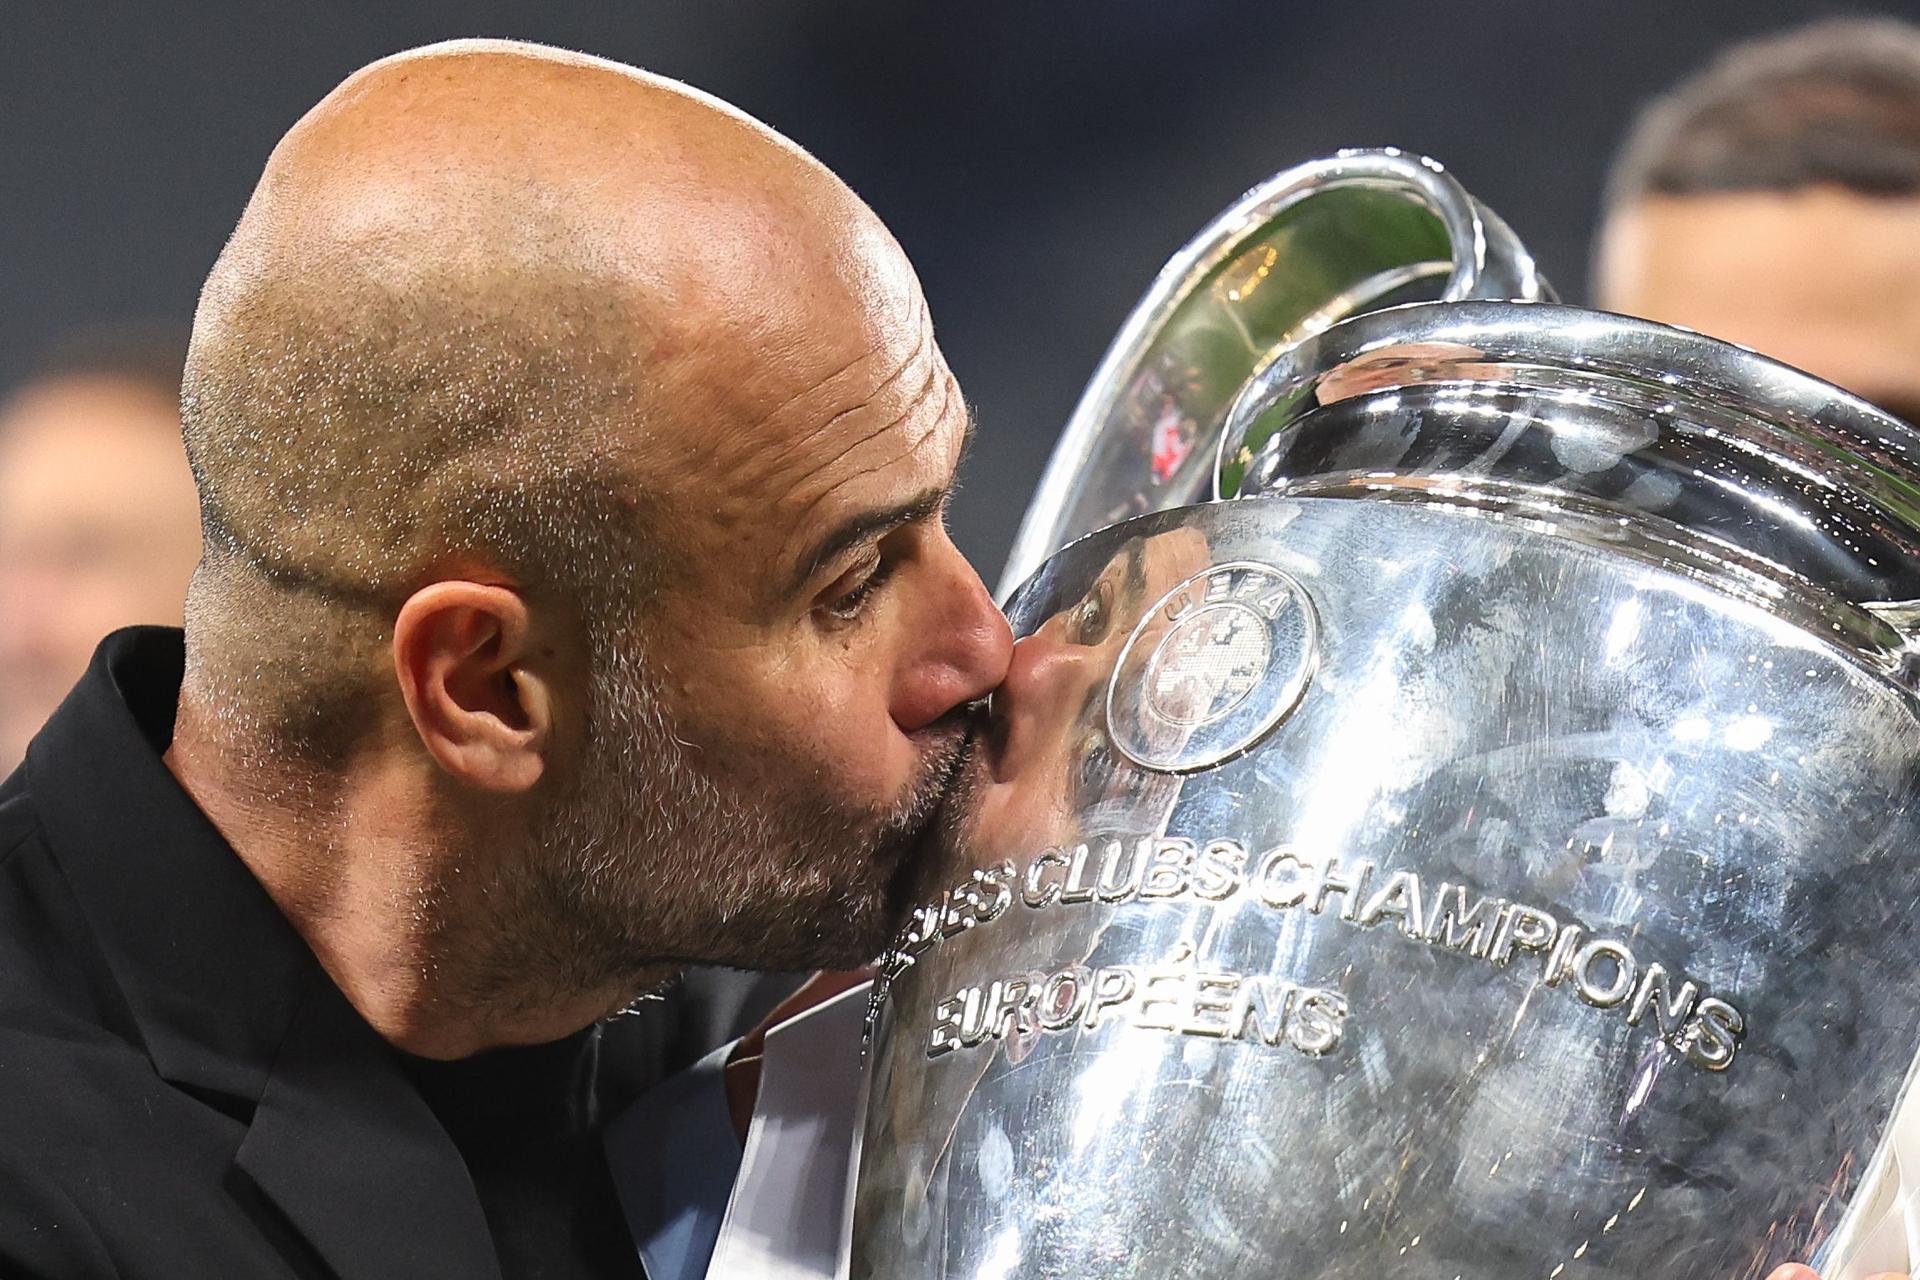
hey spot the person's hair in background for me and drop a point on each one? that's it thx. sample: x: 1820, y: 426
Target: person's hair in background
x: 1773, y: 199
x: 99, y: 527
x: 1834, y: 103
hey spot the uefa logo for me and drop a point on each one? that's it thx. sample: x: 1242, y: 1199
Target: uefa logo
x: 1211, y: 669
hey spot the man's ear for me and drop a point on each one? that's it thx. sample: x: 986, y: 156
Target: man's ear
x: 484, y: 712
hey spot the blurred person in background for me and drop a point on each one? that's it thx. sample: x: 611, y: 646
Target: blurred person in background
x: 99, y: 526
x: 1774, y: 200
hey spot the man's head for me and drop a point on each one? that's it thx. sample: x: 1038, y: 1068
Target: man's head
x: 98, y: 527
x: 572, y: 452
x: 1774, y: 200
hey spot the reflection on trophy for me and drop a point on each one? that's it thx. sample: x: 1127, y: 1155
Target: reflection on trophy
x: 1479, y: 842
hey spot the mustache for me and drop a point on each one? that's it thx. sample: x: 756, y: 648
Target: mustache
x: 947, y: 742
x: 944, y: 793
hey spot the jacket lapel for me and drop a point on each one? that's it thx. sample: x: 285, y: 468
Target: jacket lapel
x: 345, y: 1147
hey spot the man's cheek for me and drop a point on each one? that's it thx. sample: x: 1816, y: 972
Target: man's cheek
x: 874, y: 758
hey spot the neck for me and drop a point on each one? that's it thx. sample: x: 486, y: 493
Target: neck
x: 401, y: 902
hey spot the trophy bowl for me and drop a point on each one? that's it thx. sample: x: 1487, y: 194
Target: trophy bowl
x: 1485, y: 845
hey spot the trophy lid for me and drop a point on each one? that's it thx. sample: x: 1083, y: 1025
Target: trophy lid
x: 1308, y: 247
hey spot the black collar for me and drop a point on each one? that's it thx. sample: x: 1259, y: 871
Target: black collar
x: 226, y: 996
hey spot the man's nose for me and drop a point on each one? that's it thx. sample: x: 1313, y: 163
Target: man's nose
x: 963, y: 656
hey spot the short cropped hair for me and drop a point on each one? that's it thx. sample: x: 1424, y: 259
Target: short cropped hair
x: 352, y: 430
x: 1835, y: 103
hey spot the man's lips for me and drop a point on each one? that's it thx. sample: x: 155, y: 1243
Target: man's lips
x: 946, y: 754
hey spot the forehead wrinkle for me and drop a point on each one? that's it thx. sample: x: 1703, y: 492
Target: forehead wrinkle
x: 911, y: 441
x: 918, y: 399
x: 947, y: 400
x: 921, y: 326
x: 771, y: 460
x: 740, y: 533
x: 792, y: 493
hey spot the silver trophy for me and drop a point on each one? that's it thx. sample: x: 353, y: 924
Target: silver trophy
x: 1483, y: 843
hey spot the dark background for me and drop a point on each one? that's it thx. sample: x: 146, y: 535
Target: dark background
x: 1039, y: 160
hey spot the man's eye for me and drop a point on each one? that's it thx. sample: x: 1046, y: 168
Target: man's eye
x: 850, y: 604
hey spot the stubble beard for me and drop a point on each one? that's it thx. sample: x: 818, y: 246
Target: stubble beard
x: 646, y: 863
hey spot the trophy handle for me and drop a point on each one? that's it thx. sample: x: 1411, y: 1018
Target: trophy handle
x: 1310, y: 246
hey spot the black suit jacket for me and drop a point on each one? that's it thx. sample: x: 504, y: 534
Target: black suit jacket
x: 183, y: 1091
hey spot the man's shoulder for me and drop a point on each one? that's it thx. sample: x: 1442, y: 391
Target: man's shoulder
x: 87, y: 1131
x: 44, y: 1232
x: 19, y: 820
x: 23, y: 845
x: 64, y: 1078
x: 99, y: 1155
x: 81, y: 1105
x: 78, y: 1092
x: 49, y: 964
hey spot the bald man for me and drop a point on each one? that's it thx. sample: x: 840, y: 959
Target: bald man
x: 575, y: 606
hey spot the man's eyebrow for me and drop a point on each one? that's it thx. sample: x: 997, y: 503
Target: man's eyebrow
x: 866, y: 526
x: 873, y: 525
